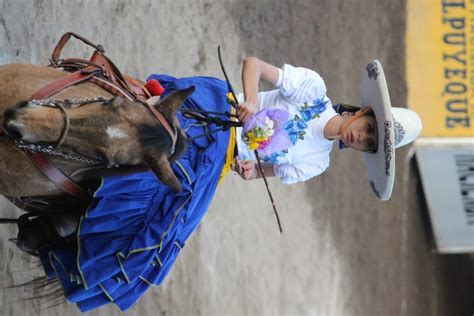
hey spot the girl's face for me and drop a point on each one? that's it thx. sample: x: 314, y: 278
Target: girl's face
x: 361, y: 134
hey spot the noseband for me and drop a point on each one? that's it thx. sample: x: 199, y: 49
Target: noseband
x: 62, y: 105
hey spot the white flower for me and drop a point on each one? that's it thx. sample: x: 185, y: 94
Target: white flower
x: 270, y: 132
x: 269, y: 123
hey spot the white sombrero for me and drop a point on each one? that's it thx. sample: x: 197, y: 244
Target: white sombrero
x: 396, y: 127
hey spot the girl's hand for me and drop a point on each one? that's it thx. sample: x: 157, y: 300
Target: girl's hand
x: 245, y: 168
x: 245, y: 111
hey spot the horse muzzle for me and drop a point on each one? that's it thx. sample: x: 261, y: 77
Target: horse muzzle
x: 11, y: 125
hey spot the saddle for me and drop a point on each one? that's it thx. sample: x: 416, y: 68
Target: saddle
x: 98, y: 69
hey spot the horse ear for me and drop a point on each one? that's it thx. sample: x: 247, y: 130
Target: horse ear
x: 160, y: 165
x: 169, y: 105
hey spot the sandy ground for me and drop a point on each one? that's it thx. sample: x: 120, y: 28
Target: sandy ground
x: 343, y: 252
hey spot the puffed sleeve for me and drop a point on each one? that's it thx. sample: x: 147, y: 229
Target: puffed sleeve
x: 298, y: 84
x: 293, y: 173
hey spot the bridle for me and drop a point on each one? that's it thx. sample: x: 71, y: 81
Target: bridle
x: 172, y: 131
x: 63, y: 105
x: 35, y: 151
x: 99, y: 70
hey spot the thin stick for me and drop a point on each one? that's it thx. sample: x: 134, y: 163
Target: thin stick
x: 256, y: 153
x: 269, y: 193
x: 8, y: 220
x: 226, y: 78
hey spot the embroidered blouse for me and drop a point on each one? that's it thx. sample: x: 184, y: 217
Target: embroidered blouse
x: 302, y: 93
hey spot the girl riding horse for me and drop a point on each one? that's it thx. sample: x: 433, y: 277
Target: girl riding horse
x: 134, y: 229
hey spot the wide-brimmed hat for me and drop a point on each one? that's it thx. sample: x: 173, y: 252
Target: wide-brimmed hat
x: 396, y: 127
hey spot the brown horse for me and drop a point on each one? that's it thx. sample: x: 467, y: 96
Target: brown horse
x: 120, y: 132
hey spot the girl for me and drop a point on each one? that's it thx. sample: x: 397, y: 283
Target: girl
x: 131, y: 235
x: 375, y: 129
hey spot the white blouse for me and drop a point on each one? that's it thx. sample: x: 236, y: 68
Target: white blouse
x: 302, y: 93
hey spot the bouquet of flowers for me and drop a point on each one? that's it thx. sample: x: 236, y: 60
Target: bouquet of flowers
x: 264, y: 131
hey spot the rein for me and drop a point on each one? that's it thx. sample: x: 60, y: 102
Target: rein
x: 204, y: 117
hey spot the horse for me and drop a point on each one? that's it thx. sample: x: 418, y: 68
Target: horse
x: 114, y: 130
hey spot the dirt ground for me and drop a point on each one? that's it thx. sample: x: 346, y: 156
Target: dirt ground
x: 343, y: 251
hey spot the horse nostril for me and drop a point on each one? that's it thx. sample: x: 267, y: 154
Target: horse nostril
x: 10, y: 120
x: 8, y: 115
x: 12, y: 129
x: 21, y: 104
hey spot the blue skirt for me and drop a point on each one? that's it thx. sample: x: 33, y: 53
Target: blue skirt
x: 130, y: 236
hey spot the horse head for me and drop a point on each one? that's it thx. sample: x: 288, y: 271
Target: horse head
x: 118, y: 131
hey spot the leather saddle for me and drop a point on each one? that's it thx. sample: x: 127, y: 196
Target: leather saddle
x: 99, y: 69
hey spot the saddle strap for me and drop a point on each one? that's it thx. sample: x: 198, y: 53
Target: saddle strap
x: 60, y: 84
x: 57, y: 176
x: 65, y: 38
x: 106, y: 67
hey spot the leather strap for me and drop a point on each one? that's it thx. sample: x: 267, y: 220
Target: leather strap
x: 60, y: 84
x: 138, y: 87
x: 57, y: 176
x: 111, y: 87
x: 172, y: 133
x: 64, y: 39
x: 44, y: 166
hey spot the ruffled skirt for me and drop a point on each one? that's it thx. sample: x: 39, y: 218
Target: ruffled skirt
x: 130, y: 236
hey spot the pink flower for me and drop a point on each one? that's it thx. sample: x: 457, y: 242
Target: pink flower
x: 264, y: 144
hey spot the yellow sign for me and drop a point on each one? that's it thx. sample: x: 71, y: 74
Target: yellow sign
x: 440, y: 65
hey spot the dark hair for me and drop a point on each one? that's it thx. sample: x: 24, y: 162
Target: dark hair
x: 342, y: 107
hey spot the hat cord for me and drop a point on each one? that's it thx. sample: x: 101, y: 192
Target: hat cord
x: 344, y: 126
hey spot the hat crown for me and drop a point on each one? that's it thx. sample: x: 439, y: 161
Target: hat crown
x: 407, y: 126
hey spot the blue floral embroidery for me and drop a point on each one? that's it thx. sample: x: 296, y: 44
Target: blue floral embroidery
x: 273, y: 158
x: 311, y: 112
x: 296, y: 127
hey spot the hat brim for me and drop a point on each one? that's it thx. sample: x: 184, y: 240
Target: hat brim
x: 380, y: 166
